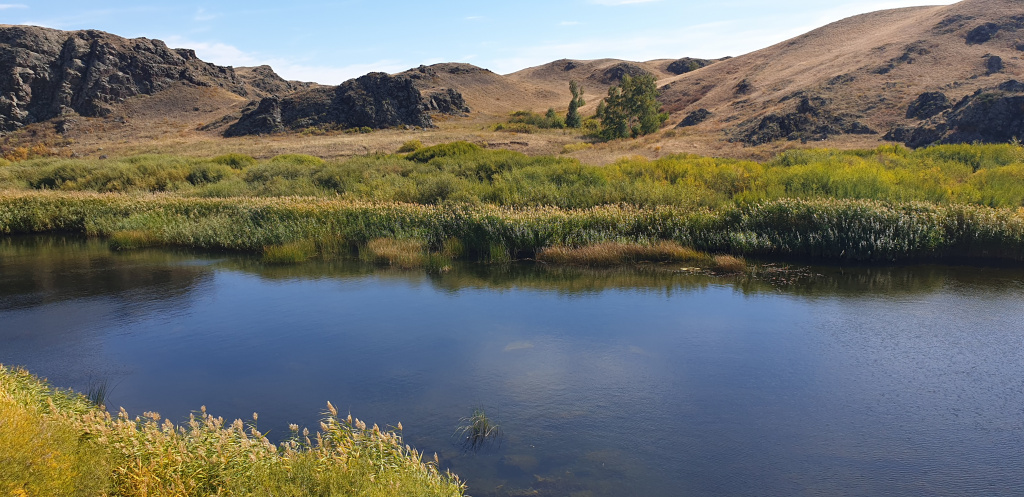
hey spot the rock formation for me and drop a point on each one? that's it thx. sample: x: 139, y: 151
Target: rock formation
x: 47, y: 73
x: 375, y: 100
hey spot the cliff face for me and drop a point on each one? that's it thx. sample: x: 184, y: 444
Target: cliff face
x: 47, y: 73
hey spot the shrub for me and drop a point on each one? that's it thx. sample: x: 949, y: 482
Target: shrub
x: 205, y: 173
x: 576, y: 147
x: 235, y: 161
x: 459, y: 148
x: 410, y: 146
x: 298, y: 160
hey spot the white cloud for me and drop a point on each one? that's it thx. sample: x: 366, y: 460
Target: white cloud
x: 5, y: 6
x: 230, y: 55
x: 202, y: 15
x: 475, y: 18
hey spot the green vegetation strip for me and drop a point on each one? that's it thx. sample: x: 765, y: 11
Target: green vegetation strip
x: 55, y: 442
x: 858, y: 230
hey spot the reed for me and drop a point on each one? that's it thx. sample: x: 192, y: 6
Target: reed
x: 406, y: 253
x: 619, y: 253
x: 477, y: 432
x: 838, y: 230
x: 55, y: 442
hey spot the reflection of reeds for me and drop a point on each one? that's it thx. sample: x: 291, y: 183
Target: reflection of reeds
x: 477, y: 431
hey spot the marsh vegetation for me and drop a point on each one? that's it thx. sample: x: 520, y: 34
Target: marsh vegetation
x: 413, y: 209
x: 57, y: 442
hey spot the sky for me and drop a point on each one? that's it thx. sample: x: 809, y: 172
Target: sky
x: 330, y: 42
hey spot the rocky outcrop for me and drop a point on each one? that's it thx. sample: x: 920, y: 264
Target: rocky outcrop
x: 811, y: 120
x: 988, y: 116
x: 694, y: 118
x: 688, y: 64
x: 376, y: 100
x: 614, y: 74
x: 927, y: 105
x: 47, y: 73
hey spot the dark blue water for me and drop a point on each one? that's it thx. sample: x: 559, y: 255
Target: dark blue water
x: 855, y: 381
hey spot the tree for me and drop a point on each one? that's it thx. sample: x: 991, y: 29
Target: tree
x: 632, y: 109
x: 573, y: 119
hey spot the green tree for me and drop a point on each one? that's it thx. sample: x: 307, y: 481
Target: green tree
x: 632, y: 109
x: 573, y: 119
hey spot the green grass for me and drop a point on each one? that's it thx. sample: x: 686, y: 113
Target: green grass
x: 55, y: 442
x: 886, y: 204
x: 838, y: 230
x: 989, y: 175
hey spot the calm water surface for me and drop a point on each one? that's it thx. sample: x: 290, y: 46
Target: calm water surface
x: 857, y: 381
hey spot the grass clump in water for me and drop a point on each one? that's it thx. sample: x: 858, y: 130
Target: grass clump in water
x: 404, y: 253
x: 290, y: 253
x: 56, y: 442
x: 133, y: 240
x: 619, y: 253
x: 477, y: 432
x: 729, y: 264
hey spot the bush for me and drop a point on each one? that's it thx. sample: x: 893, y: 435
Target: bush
x: 444, y: 150
x: 298, y: 160
x: 410, y: 146
x: 576, y: 147
x: 235, y: 161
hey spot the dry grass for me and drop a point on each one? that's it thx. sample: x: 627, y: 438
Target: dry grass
x: 619, y: 253
x: 55, y: 443
x: 729, y: 264
x: 406, y: 253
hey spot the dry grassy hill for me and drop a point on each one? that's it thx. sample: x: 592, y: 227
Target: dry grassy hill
x: 848, y: 84
x: 868, y: 68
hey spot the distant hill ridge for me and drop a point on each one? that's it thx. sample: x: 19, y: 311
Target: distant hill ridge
x: 916, y: 75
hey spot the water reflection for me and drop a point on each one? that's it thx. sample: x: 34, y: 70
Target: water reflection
x: 617, y: 382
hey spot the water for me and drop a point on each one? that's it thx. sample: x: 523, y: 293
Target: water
x: 854, y: 381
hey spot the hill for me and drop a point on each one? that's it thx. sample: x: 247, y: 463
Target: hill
x: 914, y: 75
x: 872, y: 75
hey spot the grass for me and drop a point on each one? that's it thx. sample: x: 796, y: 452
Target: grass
x: 885, y: 204
x: 989, y: 175
x: 55, y: 442
x: 837, y: 230
x: 477, y: 432
x: 408, y: 253
x: 618, y: 253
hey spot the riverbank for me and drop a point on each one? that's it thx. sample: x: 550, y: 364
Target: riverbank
x: 57, y: 442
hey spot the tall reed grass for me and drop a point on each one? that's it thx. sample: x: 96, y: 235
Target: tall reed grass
x: 857, y: 230
x: 55, y: 443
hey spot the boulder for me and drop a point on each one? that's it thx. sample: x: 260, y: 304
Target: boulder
x: 694, y: 118
x: 927, y: 105
x: 982, y: 34
x: 687, y: 64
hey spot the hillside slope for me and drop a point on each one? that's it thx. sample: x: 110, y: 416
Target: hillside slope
x: 857, y: 76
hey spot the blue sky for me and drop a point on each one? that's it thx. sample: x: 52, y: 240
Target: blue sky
x: 329, y: 42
